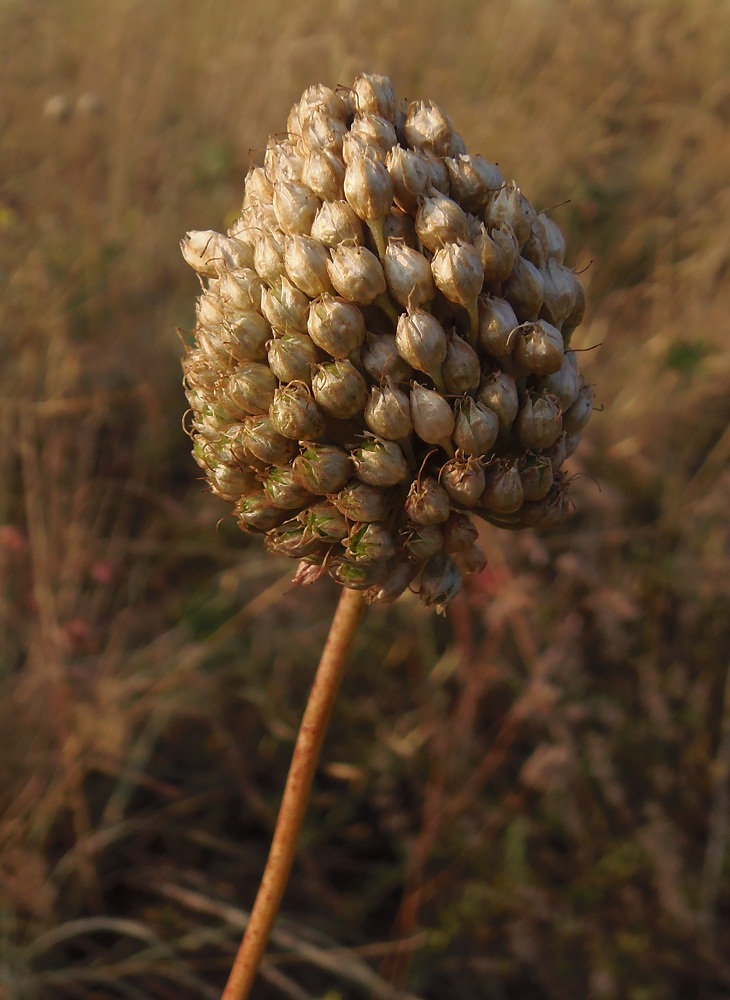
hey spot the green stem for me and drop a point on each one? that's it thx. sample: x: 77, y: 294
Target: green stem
x: 295, y: 799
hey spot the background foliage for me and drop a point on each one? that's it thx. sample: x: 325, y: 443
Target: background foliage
x: 526, y: 801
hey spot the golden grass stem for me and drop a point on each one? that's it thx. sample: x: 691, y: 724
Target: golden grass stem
x: 349, y: 614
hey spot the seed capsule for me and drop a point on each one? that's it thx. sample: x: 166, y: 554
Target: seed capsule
x: 231, y: 484
x: 440, y: 581
x: 285, y: 307
x: 421, y: 341
x: 380, y: 463
x: 558, y: 292
x: 554, y: 239
x: 565, y: 383
x: 499, y: 251
x: 322, y: 469
x: 292, y: 539
x: 408, y: 275
x: 539, y: 423
x: 374, y: 94
x: 250, y: 389
x: 503, y: 492
x: 380, y: 358
x: 293, y: 357
x: 539, y: 348
x: 368, y: 188
x: 423, y: 540
x: 473, y: 181
x: 362, y: 502
x: 324, y: 173
x: 395, y: 582
x: 356, y: 274
x: 470, y: 560
x: 370, y: 543
x: 295, y: 415
x: 376, y: 132
x: 439, y: 221
x: 210, y: 253
x: 510, y: 206
x: 427, y: 502
x: 578, y: 415
x: 306, y: 262
x: 336, y: 326
x: 255, y: 512
x: 498, y: 391
x: 458, y: 533
x: 265, y: 443
x: 458, y: 273
x: 283, y: 491
x: 524, y: 290
x: 497, y: 323
x: 461, y: 370
x: 321, y: 132
x: 324, y: 522
x: 295, y: 207
x: 388, y: 412
x: 411, y: 175
x: 428, y: 127
x: 476, y: 427
x: 433, y: 419
x: 336, y: 223
x: 536, y: 473
x: 268, y: 257
x: 463, y: 479
x: 340, y: 389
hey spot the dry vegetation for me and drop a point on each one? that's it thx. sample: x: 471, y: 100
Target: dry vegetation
x: 526, y: 801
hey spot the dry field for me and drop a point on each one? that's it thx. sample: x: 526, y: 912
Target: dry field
x: 526, y: 800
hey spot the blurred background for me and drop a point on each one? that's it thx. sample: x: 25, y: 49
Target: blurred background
x: 524, y: 800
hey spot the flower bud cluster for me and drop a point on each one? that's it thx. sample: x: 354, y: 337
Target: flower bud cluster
x: 382, y: 348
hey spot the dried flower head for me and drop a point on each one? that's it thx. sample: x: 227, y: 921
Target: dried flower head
x: 382, y: 348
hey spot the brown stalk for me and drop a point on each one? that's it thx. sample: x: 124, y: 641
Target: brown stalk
x: 295, y: 799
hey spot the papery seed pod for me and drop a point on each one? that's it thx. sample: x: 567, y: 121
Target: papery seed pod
x: 374, y: 94
x: 295, y: 206
x: 411, y: 176
x: 535, y: 249
x: 362, y: 576
x: 461, y: 370
x: 375, y: 131
x: 558, y: 292
x: 321, y: 133
x: 433, y: 418
x: 231, y: 484
x: 539, y: 348
x: 427, y: 502
x: 282, y: 161
x: 422, y: 540
x: 503, y: 492
x: 439, y: 220
x: 370, y: 543
x: 362, y: 502
x: 306, y: 260
x: 268, y: 257
x: 209, y: 309
x: 337, y: 223
x: 498, y: 391
x: 340, y: 389
x: 398, y: 225
x: 536, y: 473
x: 476, y: 426
x: 458, y: 273
x: 356, y: 274
x: 473, y: 181
x: 421, y: 342
x: 550, y: 512
x: 322, y: 469
x: 555, y: 241
x: 283, y: 491
x: 463, y: 479
x: 250, y: 389
x: 255, y: 512
x: 458, y: 533
x: 440, y: 581
x: 539, y: 422
x: 565, y: 383
x: 427, y: 127
x: 524, y: 290
x: 408, y: 275
x: 324, y: 522
x: 292, y: 539
x: 368, y: 188
x: 396, y: 580
x: 265, y: 443
x: 498, y: 251
x: 577, y: 312
x: 293, y: 357
x: 497, y: 323
x: 388, y: 412
x: 257, y: 187
x: 209, y: 253
x: 324, y: 173
x: 509, y: 205
x: 243, y: 339
x: 285, y: 307
x: 439, y: 173
x: 380, y: 463
x: 336, y: 326
x: 380, y: 358
x: 577, y: 416
x: 295, y: 415
x: 240, y: 290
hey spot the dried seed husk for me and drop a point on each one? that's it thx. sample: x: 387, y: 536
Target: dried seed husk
x: 476, y: 426
x: 363, y: 576
x: 497, y: 323
x: 292, y: 539
x: 498, y: 391
x: 427, y: 502
x: 461, y: 370
x: 432, y: 416
x: 374, y: 94
x: 565, y: 383
x: 539, y: 422
x: 337, y: 223
x: 380, y: 463
x: 554, y: 239
x: 295, y: 206
x: 458, y: 533
x: 380, y: 358
x: 422, y: 540
x: 321, y: 133
x: 324, y: 522
x: 498, y: 251
x: 558, y: 292
x: 268, y: 257
x: 240, y: 290
x: 363, y: 502
x: 265, y: 443
x: 510, y: 206
x: 440, y: 581
x: 285, y: 307
x: 463, y: 479
x: 524, y: 290
x: 340, y: 389
x: 577, y: 416
x: 439, y: 221
x: 209, y: 253
x: 387, y: 412
x: 421, y: 342
x: 429, y: 128
x: 473, y: 181
x: 399, y: 576
x: 539, y: 348
x: 536, y: 473
x: 368, y: 188
x: 293, y: 357
x: 398, y: 225
x: 376, y: 132
x: 503, y: 492
x: 535, y: 249
x: 231, y: 483
x: 458, y: 273
x: 322, y: 469
x: 306, y: 262
x: 408, y: 275
x: 295, y: 415
x: 282, y: 161
x: 550, y: 512
x: 336, y: 325
x: 255, y: 512
x: 249, y: 389
x: 411, y: 175
x: 282, y: 489
x: 356, y: 274
x: 370, y: 543
x: 470, y: 560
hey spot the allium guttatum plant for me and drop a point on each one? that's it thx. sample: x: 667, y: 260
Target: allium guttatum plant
x: 382, y: 348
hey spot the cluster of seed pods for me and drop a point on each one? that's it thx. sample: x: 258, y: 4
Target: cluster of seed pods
x: 382, y: 348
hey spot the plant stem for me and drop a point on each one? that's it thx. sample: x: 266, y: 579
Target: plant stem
x: 295, y: 799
